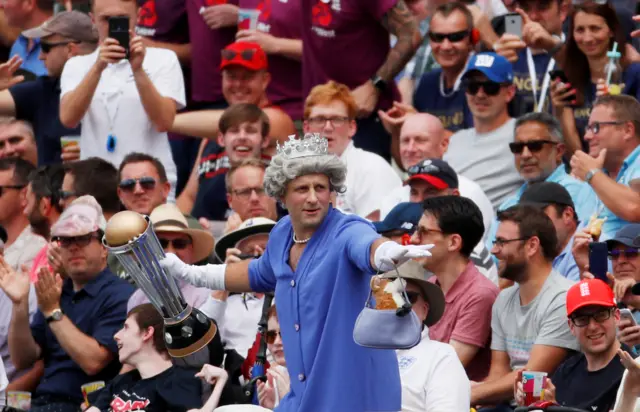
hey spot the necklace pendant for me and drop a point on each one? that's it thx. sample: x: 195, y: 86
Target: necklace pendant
x: 111, y: 143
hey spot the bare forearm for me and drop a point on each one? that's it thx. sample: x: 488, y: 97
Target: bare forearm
x: 627, y: 402
x: 201, y: 123
x: 82, y: 349
x: 75, y: 104
x: 236, y: 277
x: 161, y: 110
x: 7, y: 104
x: 29, y: 381
x: 183, y: 51
x: 491, y: 392
x: 23, y: 349
x: 571, y: 136
x: 622, y: 200
x: 214, y: 399
x: 291, y: 48
x: 400, y: 22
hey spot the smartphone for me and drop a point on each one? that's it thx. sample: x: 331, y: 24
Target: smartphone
x: 513, y: 24
x: 598, y: 260
x: 558, y: 74
x: 626, y: 314
x: 119, y: 30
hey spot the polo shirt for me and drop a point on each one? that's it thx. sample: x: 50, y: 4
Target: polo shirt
x: 98, y: 310
x: 116, y: 108
x: 467, y: 317
x: 30, y: 58
x: 565, y: 264
x: 38, y: 102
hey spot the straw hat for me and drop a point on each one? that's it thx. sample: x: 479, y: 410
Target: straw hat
x: 168, y: 218
x: 253, y: 226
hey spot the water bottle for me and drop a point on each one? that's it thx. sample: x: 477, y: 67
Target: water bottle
x: 613, y: 71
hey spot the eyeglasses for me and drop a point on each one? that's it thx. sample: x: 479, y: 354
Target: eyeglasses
x: 245, y: 194
x: 246, y: 55
x: 47, y: 47
x: 628, y: 253
x: 424, y: 168
x: 413, y: 297
x: 500, y: 242
x: 595, y: 126
x: 80, y: 241
x: 583, y: 320
x: 452, y: 37
x: 177, y: 244
x: 146, y: 183
x: 336, y: 121
x: 490, y: 88
x: 272, y: 335
x: 534, y: 146
x: 14, y: 187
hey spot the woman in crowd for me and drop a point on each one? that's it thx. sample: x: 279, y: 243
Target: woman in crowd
x: 593, y: 29
x: 277, y: 385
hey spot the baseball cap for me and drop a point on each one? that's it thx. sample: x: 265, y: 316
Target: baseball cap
x: 81, y: 217
x: 404, y: 217
x: 589, y: 292
x: 546, y: 193
x: 627, y: 236
x: 245, y: 54
x: 436, y: 172
x: 73, y: 25
x: 497, y: 68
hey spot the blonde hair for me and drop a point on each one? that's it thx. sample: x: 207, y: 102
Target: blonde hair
x: 327, y: 93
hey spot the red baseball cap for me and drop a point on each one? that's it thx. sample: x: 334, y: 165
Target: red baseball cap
x: 245, y: 54
x: 589, y: 292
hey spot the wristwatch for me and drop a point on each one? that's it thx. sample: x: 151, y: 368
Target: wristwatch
x: 558, y: 46
x: 56, y: 315
x: 379, y: 83
x: 590, y: 175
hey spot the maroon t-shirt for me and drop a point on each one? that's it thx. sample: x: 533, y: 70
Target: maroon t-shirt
x: 345, y: 41
x: 206, y: 45
x: 163, y: 20
x: 281, y: 18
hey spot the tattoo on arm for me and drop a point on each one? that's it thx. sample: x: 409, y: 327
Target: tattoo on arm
x: 400, y: 22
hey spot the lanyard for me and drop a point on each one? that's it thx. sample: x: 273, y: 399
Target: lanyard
x: 534, y: 81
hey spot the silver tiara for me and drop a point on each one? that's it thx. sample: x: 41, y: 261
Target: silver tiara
x: 312, y: 144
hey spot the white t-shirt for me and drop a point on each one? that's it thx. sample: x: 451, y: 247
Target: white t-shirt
x: 4, y: 382
x: 432, y: 378
x: 369, y: 179
x: 468, y: 188
x: 486, y: 159
x: 116, y: 108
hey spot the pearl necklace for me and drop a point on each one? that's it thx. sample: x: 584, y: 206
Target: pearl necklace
x: 300, y: 241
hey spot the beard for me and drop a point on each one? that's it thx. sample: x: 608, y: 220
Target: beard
x: 514, y: 271
x: 39, y: 224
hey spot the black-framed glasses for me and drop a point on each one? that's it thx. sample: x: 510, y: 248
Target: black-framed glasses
x: 245, y: 194
x: 500, y: 242
x: 177, y: 244
x: 490, y: 88
x: 534, y: 146
x: 271, y: 336
x: 452, y: 37
x: 80, y: 241
x: 47, y: 47
x: 146, y: 183
x: 14, y: 187
x: 423, y: 168
x: 595, y: 126
x: 246, y: 55
x: 629, y: 253
x: 336, y: 121
x: 583, y: 320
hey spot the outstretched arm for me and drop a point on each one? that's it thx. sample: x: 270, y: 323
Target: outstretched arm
x: 233, y: 277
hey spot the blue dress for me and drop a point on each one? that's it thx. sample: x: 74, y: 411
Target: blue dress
x: 317, y: 309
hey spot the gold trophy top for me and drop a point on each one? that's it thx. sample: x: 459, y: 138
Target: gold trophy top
x: 123, y: 227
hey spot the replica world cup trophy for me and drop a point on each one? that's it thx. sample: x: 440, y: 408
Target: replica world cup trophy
x: 129, y: 236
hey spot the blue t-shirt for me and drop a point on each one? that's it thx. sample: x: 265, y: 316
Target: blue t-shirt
x: 523, y: 102
x: 317, y: 308
x: 30, y: 58
x: 38, y: 102
x: 452, y: 111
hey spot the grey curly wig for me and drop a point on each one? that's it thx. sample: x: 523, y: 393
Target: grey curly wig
x: 281, y: 171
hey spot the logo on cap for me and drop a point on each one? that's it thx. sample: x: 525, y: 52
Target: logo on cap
x: 584, y: 289
x: 484, y: 60
x: 407, y: 226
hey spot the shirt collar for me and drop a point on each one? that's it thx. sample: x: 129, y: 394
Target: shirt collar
x: 93, y: 287
x: 629, y: 161
x: 568, y: 247
x: 350, y: 147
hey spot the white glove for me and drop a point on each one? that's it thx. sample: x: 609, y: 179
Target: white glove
x: 208, y: 276
x: 391, y: 254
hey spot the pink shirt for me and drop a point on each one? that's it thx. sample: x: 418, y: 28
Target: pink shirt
x: 39, y: 261
x: 467, y: 317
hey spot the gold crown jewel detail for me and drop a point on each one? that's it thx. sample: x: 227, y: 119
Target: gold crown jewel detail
x: 312, y: 144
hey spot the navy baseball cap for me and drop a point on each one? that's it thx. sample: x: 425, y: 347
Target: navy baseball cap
x: 497, y: 68
x: 436, y: 172
x: 626, y: 236
x: 403, y: 217
x: 546, y: 193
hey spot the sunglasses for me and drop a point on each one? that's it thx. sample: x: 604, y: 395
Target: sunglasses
x: 272, y: 335
x: 490, y: 88
x: 583, y: 320
x: 47, y: 47
x: 629, y: 253
x: 81, y: 241
x: 413, y: 297
x: 534, y: 146
x: 177, y: 244
x: 595, y: 126
x: 452, y: 37
x: 14, y: 187
x: 246, y: 55
x: 146, y: 183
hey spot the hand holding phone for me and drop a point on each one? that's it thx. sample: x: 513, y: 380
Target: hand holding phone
x: 627, y: 314
x: 119, y: 30
x: 598, y: 260
x: 513, y: 24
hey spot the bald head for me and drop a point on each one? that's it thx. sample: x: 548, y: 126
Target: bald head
x: 422, y: 136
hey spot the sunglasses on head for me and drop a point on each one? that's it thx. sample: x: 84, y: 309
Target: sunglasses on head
x: 452, y: 37
x: 81, y: 241
x: 423, y: 169
x: 629, y: 253
x: 177, y: 244
x: 246, y: 55
x: 146, y: 183
x: 534, y: 146
x: 490, y: 88
x: 272, y: 335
